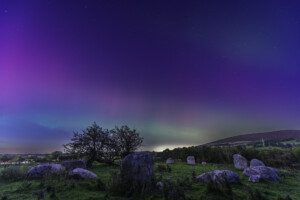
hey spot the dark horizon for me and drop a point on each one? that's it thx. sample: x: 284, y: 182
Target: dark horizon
x: 181, y: 73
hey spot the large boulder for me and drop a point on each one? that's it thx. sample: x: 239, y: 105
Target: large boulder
x: 43, y: 170
x: 73, y: 164
x: 170, y: 161
x: 259, y: 173
x: 256, y: 162
x: 80, y: 173
x: 190, y: 160
x: 240, y: 162
x: 137, y: 168
x: 217, y: 176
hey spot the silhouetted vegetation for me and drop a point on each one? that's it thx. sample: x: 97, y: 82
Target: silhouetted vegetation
x: 272, y: 157
x: 174, y: 190
x: 98, y: 144
x: 163, y: 168
x: 126, y: 140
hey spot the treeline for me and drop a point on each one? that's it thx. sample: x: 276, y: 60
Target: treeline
x: 223, y: 155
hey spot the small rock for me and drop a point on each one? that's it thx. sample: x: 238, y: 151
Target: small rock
x: 259, y: 173
x: 160, y: 186
x: 239, y: 161
x: 191, y: 160
x: 219, y: 175
x: 256, y: 162
x: 170, y: 161
x: 203, y: 163
x: 80, y: 173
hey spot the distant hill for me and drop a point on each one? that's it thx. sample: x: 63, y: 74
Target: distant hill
x: 255, y: 137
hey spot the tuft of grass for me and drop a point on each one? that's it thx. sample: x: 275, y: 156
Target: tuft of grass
x: 13, y: 173
x: 163, y: 168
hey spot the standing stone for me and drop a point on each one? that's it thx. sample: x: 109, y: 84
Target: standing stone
x: 240, y: 162
x: 137, y: 168
x: 170, y: 161
x: 256, y: 162
x: 190, y: 160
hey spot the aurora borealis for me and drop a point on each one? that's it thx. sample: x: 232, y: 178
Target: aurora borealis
x: 180, y: 72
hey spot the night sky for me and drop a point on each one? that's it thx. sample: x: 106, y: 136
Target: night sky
x: 180, y: 72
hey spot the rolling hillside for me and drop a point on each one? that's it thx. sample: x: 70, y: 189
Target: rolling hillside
x: 255, y: 137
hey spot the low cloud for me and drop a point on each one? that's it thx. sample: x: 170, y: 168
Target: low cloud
x: 18, y: 136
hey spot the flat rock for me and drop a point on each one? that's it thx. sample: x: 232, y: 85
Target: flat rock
x: 190, y: 160
x: 256, y: 162
x: 43, y: 170
x: 80, y: 173
x: 258, y: 173
x: 240, y: 162
x: 219, y: 176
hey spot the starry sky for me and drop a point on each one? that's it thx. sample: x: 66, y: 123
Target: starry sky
x: 180, y: 72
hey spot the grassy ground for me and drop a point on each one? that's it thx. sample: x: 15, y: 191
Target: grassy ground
x: 89, y: 190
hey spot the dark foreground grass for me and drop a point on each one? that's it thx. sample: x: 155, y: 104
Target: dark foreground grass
x: 64, y: 189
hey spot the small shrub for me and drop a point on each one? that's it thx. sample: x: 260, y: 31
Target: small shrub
x: 12, y: 173
x: 25, y: 186
x: 163, y: 168
x: 115, y: 184
x: 173, y: 190
x: 4, y: 197
x: 218, y: 190
x: 221, y: 187
x: 40, y: 194
x: 51, y: 190
x: 119, y: 187
x: 296, y: 152
x: 256, y: 195
x: 286, y: 198
x: 194, y: 175
x: 100, y: 185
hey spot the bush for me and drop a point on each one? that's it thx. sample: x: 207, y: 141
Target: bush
x: 163, y: 168
x: 100, y: 185
x: 222, y: 187
x: 296, y: 152
x: 13, y: 173
x: 173, y: 190
x: 119, y: 187
x: 4, y: 197
x: 286, y: 198
x: 256, y: 195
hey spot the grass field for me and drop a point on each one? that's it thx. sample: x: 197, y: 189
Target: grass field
x: 89, y: 190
